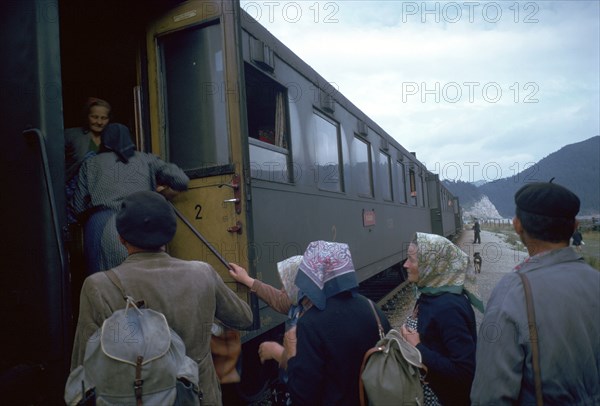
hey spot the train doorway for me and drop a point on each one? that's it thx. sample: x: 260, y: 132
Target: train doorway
x: 103, y: 55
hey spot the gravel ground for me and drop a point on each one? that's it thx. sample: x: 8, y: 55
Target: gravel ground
x: 498, y: 256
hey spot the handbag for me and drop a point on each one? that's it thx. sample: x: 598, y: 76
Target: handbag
x: 389, y: 374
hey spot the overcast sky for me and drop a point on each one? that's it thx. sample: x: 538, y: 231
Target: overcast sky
x: 479, y: 90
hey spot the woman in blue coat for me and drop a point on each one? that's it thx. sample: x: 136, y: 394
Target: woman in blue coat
x: 442, y: 325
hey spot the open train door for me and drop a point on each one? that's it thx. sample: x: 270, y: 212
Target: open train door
x: 198, y: 122
x: 34, y: 295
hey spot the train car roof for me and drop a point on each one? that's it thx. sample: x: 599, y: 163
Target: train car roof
x: 254, y: 28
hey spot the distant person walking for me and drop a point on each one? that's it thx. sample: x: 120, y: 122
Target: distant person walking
x: 476, y: 232
x: 577, y: 240
x: 564, y: 295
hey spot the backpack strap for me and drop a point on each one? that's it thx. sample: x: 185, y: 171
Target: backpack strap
x: 370, y: 351
x: 361, y: 386
x: 533, y: 337
x: 379, y: 326
x: 114, y: 278
x: 116, y: 281
x: 139, y: 382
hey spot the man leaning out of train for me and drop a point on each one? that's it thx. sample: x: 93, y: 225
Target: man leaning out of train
x: 189, y: 293
x: 565, y: 292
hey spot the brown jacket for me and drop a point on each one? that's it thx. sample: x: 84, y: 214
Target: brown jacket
x: 275, y: 298
x: 189, y: 293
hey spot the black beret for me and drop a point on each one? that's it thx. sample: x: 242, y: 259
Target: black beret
x: 547, y: 199
x: 146, y: 220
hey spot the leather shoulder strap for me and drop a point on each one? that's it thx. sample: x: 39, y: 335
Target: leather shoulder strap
x: 361, y: 387
x: 379, y: 326
x: 533, y: 336
x: 371, y: 351
x: 116, y: 281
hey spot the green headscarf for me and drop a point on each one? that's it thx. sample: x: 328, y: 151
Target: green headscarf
x: 444, y: 268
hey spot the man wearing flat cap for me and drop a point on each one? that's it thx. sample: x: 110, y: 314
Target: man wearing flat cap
x: 189, y: 293
x: 565, y: 293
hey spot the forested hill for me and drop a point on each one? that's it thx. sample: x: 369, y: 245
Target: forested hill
x: 467, y: 192
x: 575, y: 166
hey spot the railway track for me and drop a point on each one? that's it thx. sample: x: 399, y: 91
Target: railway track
x: 383, y: 287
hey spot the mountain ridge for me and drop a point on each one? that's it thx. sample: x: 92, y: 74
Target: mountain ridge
x: 575, y: 166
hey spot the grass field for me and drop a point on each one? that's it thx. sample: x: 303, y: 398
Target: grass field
x: 590, y: 251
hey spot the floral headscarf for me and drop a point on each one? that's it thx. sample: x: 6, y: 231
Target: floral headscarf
x: 444, y: 267
x: 326, y: 270
x: 288, y: 269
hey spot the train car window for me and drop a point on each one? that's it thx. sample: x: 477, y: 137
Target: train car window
x: 400, y: 172
x: 362, y: 167
x: 193, y: 97
x: 385, y: 176
x: 328, y: 171
x: 421, y: 191
x: 267, y: 112
x: 413, y: 187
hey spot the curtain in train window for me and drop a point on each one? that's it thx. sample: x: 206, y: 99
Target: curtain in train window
x: 401, y: 182
x: 266, y: 110
x: 413, y: 187
x: 385, y: 176
x: 193, y: 88
x: 361, y: 168
x: 328, y: 169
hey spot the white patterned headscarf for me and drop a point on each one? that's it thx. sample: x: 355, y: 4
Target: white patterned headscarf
x: 326, y: 270
x: 288, y: 269
x: 444, y: 267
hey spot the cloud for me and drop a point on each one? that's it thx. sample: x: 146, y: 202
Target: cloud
x: 506, y: 82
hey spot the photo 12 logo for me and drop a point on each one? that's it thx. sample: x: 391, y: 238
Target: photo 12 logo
x: 292, y: 11
x: 471, y: 92
x: 487, y: 171
x: 470, y: 12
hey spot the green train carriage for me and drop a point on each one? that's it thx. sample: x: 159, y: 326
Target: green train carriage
x: 277, y: 158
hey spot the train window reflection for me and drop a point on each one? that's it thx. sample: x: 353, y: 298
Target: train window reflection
x: 385, y: 176
x: 193, y: 97
x: 421, y: 193
x: 328, y: 169
x: 401, y: 182
x: 361, y: 168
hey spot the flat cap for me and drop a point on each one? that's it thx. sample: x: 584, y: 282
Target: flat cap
x: 146, y: 220
x: 547, y: 199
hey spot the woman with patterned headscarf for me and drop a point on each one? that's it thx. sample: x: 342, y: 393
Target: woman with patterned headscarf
x: 442, y: 326
x: 284, y: 300
x: 335, y: 326
x: 105, y: 180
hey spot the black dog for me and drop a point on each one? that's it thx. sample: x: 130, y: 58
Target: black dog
x: 477, y: 261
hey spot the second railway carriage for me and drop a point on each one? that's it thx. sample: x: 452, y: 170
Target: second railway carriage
x: 277, y: 158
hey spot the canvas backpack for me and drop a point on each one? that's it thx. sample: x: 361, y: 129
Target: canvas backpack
x: 390, y: 371
x: 135, y: 358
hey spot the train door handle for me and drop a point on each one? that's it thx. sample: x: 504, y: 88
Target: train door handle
x: 235, y: 229
x: 235, y: 200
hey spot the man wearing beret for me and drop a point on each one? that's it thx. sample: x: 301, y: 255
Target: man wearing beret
x: 566, y: 299
x: 189, y: 293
